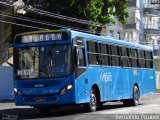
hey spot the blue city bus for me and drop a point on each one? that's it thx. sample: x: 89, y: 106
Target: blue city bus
x: 64, y: 67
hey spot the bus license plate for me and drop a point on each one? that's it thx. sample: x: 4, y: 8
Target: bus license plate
x: 40, y: 100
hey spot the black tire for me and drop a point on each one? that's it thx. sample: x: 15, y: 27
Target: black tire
x: 92, y: 106
x: 136, y: 96
x: 45, y: 110
x: 135, y: 100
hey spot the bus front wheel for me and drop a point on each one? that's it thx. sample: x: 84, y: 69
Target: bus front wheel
x: 93, y: 101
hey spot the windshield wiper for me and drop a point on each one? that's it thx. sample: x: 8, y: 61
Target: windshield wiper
x: 45, y: 71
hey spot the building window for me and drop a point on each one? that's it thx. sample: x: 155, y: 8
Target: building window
x: 138, y: 3
x: 111, y: 33
x: 119, y: 35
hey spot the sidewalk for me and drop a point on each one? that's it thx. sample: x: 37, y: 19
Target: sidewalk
x: 6, y: 105
x: 10, y: 105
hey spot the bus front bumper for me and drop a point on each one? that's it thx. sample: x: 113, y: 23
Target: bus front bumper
x: 59, y: 99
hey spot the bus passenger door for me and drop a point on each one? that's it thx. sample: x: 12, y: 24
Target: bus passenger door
x: 80, y: 74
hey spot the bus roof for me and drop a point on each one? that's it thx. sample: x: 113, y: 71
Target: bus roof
x: 94, y: 37
x: 110, y: 40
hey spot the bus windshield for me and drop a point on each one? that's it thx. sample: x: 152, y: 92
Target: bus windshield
x: 43, y: 61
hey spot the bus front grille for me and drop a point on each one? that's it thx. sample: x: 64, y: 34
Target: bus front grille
x: 42, y: 84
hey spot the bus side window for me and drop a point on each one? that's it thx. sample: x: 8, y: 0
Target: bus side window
x: 93, y: 55
x: 115, y: 58
x: 149, y: 61
x: 133, y: 57
x: 105, y: 58
x: 125, y: 57
x: 141, y: 59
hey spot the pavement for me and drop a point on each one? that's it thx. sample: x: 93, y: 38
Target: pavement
x: 149, y: 109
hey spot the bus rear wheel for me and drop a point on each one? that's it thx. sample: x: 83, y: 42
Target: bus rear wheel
x: 136, y: 95
x: 135, y: 100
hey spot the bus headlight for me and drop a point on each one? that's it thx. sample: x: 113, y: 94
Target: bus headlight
x: 65, y: 89
x: 17, y: 92
x: 69, y: 87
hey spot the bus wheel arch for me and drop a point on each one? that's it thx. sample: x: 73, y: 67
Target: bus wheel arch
x: 96, y: 88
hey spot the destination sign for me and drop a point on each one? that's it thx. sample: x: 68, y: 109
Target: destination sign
x: 42, y: 37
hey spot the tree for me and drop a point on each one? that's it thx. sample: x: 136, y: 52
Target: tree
x: 98, y: 11
x: 5, y: 34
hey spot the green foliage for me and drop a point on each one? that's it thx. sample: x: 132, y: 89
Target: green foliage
x: 99, y: 11
x: 120, y: 10
x: 158, y: 90
x: 93, y: 10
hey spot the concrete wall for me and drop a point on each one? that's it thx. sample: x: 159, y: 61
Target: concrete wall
x: 158, y: 80
x: 131, y: 12
x: 157, y: 63
x: 6, y: 83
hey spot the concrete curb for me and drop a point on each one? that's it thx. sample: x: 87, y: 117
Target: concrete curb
x: 6, y: 101
x: 155, y: 93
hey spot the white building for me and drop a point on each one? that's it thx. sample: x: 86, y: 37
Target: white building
x: 143, y: 27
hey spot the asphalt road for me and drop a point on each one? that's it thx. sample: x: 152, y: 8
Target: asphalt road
x: 148, y: 109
